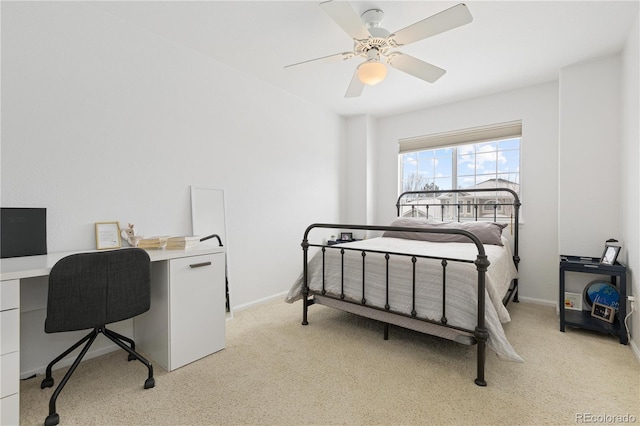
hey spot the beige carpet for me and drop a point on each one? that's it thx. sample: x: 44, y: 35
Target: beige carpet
x: 339, y: 370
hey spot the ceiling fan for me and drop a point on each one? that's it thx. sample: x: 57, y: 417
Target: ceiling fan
x: 375, y: 44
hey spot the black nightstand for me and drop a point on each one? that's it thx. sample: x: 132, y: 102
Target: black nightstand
x: 583, y: 319
x: 332, y: 242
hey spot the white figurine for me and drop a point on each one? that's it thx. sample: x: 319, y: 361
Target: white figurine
x: 129, y: 234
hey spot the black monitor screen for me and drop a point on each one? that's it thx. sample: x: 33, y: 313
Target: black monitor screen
x: 23, y: 231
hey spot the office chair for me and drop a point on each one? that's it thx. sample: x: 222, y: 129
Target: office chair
x: 91, y: 290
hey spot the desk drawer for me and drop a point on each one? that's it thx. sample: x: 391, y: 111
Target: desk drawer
x: 10, y: 410
x: 10, y: 370
x: 9, y: 294
x: 9, y: 331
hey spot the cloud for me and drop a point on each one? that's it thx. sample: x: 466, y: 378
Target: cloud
x: 477, y: 160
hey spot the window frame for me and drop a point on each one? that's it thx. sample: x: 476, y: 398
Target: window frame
x: 453, y: 139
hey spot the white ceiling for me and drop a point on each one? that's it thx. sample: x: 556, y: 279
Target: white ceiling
x: 509, y: 44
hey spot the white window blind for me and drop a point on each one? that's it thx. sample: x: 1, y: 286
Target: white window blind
x: 462, y: 137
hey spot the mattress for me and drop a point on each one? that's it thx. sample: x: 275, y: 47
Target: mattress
x: 461, y: 277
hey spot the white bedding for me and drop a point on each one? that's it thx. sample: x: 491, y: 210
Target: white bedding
x: 461, y: 295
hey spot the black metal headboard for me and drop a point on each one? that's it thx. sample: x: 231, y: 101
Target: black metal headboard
x: 478, y: 204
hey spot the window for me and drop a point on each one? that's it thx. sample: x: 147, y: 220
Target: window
x: 486, y: 157
x: 490, y: 206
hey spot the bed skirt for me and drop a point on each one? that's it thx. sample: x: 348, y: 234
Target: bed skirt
x: 399, y: 320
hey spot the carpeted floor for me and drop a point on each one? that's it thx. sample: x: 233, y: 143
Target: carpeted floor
x: 339, y: 370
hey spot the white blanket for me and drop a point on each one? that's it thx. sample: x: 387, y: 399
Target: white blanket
x: 461, y: 278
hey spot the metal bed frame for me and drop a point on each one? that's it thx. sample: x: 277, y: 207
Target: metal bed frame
x: 386, y: 314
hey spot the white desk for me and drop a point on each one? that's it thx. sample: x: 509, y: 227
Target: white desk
x: 186, y: 320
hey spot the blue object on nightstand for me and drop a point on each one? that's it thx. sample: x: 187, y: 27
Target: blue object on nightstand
x: 601, y: 292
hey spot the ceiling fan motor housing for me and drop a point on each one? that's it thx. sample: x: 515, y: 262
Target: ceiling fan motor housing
x: 378, y: 40
x: 381, y: 45
x: 372, y: 18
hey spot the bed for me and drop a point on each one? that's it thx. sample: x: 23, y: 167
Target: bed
x: 444, y: 267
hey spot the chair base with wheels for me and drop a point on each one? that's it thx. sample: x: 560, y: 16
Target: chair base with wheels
x: 53, y: 418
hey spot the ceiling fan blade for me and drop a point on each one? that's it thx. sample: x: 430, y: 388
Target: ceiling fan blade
x: 415, y: 67
x: 344, y: 15
x: 449, y: 19
x: 331, y: 58
x: 355, y: 87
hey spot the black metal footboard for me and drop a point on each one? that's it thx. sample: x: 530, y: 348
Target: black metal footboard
x: 481, y: 262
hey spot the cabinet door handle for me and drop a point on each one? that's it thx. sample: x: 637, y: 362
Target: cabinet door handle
x: 200, y: 265
x: 591, y: 266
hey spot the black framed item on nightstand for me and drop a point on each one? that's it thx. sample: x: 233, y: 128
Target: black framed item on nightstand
x: 610, y: 253
x: 346, y: 236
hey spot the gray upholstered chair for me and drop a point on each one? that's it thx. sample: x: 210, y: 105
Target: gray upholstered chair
x: 89, y: 291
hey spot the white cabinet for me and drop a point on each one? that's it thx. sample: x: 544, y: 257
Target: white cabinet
x: 197, y: 307
x: 186, y: 321
x: 9, y: 352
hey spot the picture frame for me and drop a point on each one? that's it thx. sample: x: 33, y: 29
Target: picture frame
x: 107, y: 235
x: 346, y: 236
x: 572, y: 301
x: 603, y: 312
x: 610, y: 254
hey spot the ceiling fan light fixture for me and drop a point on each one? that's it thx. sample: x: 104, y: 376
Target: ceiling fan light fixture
x: 372, y: 72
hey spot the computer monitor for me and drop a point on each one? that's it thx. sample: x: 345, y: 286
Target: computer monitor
x: 23, y: 231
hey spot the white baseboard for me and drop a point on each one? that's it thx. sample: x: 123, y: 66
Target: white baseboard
x: 551, y: 303
x: 239, y: 308
x: 69, y: 360
x: 635, y: 349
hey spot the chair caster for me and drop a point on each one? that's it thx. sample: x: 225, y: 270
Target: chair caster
x: 47, y: 383
x: 149, y: 383
x: 52, y: 419
x: 131, y: 357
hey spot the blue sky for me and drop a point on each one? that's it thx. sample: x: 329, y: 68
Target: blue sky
x: 474, y: 163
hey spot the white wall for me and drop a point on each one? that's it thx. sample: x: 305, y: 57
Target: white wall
x: 589, y: 157
x: 360, y: 171
x: 629, y: 175
x: 537, y: 107
x: 356, y: 169
x: 105, y: 121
